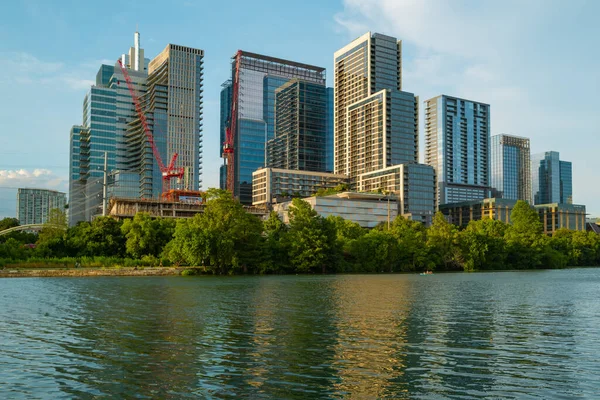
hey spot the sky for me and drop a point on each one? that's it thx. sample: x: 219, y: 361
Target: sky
x: 536, y: 62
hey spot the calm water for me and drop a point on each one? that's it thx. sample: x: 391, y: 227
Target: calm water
x: 488, y: 335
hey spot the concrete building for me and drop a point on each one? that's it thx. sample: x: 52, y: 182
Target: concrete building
x: 269, y: 184
x: 259, y: 76
x: 375, y: 122
x: 457, y: 146
x: 300, y: 141
x: 366, y: 209
x: 414, y: 184
x: 553, y: 216
x: 511, y: 167
x: 34, y: 205
x: 551, y: 178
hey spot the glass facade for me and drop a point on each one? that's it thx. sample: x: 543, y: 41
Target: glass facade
x: 329, y: 137
x: 511, y: 167
x: 301, y: 128
x: 551, y: 179
x: 457, y: 145
x: 259, y: 77
x: 33, y: 205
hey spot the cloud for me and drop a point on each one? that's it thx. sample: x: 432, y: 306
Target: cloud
x: 36, y: 178
x: 26, y: 69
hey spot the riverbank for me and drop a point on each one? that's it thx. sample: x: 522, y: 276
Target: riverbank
x: 82, y: 272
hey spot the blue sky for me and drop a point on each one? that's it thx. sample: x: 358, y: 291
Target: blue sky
x: 535, y: 62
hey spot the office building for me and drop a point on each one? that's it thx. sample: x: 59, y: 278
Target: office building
x: 259, y: 77
x: 561, y: 215
x: 551, y: 179
x: 414, y: 184
x: 107, y: 108
x: 173, y: 102
x: 511, y: 167
x: 270, y: 184
x: 457, y: 146
x: 376, y: 123
x: 300, y: 141
x: 34, y: 205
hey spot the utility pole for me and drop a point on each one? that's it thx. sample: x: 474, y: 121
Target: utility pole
x: 388, y: 196
x: 105, y: 185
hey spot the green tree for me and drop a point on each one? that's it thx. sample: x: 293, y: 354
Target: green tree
x: 442, y: 243
x: 52, y: 238
x: 276, y: 254
x: 525, y: 242
x: 377, y: 251
x: 146, y: 235
x: 310, y: 240
x: 411, y: 236
x: 101, y: 237
x: 482, y: 245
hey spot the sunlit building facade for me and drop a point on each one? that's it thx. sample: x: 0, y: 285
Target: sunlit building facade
x: 511, y: 167
x: 457, y: 146
x: 34, y: 205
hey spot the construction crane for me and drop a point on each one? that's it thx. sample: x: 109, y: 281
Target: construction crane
x: 168, y: 172
x: 230, y: 132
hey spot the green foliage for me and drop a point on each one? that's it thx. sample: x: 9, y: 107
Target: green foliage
x: 342, y: 187
x: 101, y: 237
x: 482, y: 245
x: 146, y: 235
x: 442, y: 242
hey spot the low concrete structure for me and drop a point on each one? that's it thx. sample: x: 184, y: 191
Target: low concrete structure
x: 366, y: 209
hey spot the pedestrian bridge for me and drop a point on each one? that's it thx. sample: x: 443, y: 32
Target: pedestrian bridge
x: 30, y: 227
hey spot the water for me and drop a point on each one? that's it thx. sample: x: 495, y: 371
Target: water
x: 487, y: 335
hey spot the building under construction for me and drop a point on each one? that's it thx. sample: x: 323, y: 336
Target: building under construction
x: 254, y: 79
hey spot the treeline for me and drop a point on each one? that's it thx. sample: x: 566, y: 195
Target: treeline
x: 225, y: 239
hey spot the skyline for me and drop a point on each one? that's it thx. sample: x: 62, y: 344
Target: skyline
x: 532, y: 93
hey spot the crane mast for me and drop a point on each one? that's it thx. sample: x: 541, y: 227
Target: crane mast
x: 228, y: 145
x: 168, y: 172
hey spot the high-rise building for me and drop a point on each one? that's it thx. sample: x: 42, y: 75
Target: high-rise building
x: 457, y: 146
x: 107, y: 108
x: 330, y: 120
x: 511, y: 167
x: 300, y: 141
x: 551, y: 179
x: 376, y: 123
x: 173, y: 105
x: 259, y: 77
x: 34, y: 205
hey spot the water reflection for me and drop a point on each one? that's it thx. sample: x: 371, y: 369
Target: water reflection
x: 520, y: 335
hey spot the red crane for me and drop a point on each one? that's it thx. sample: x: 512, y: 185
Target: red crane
x: 168, y: 172
x: 228, y: 146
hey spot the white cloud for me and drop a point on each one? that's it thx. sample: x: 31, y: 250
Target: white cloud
x: 26, y: 69
x: 36, y: 178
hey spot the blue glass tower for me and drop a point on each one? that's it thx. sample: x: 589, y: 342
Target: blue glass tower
x: 510, y: 167
x: 551, y: 179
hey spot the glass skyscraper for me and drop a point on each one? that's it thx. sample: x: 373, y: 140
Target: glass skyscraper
x: 457, y: 146
x: 301, y: 127
x: 259, y: 76
x: 551, y: 179
x: 511, y: 168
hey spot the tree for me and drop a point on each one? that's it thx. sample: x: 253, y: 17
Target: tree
x: 411, y: 236
x: 377, y: 251
x: 525, y: 240
x: 442, y: 242
x: 101, y: 237
x: 276, y: 255
x: 482, y: 245
x: 51, y: 240
x: 146, y: 235
x: 310, y: 239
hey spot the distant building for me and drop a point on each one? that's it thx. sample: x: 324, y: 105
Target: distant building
x: 366, y: 209
x: 34, y: 205
x: 272, y: 183
x: 457, y: 146
x: 300, y: 141
x: 551, y: 179
x: 511, y: 167
x: 553, y: 216
x: 260, y: 76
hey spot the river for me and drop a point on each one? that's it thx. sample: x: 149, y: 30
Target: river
x: 532, y: 334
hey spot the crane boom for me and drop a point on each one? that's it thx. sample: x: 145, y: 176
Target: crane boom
x: 228, y: 146
x: 167, y: 172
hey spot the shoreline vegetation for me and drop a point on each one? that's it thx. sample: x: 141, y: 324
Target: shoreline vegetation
x: 226, y: 240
